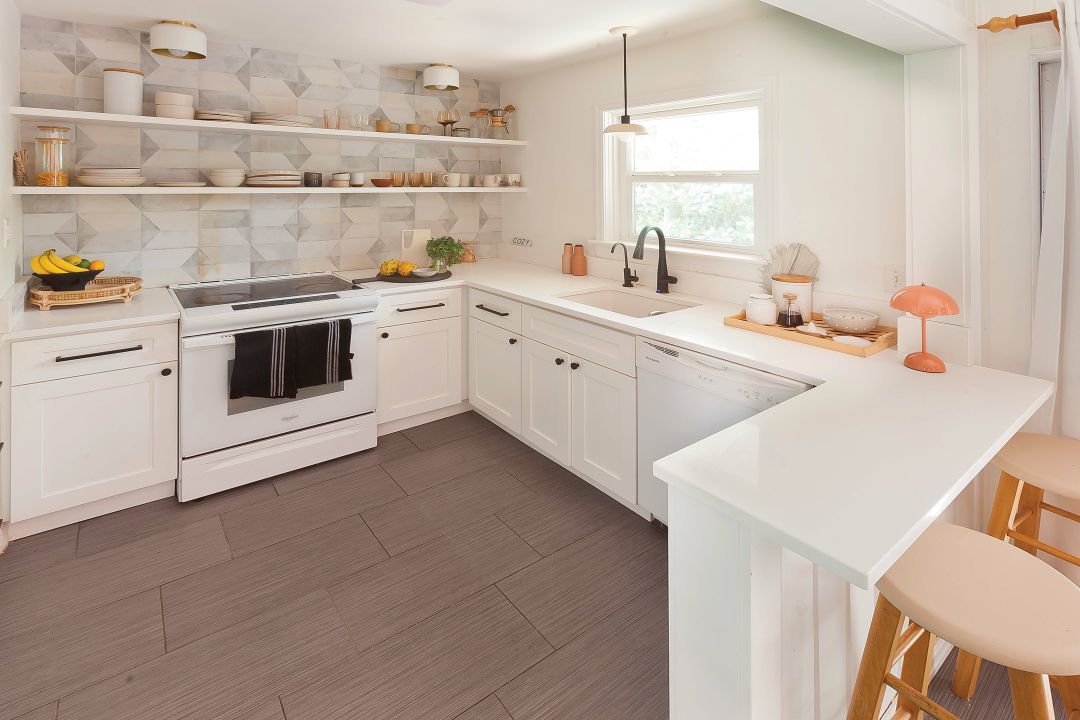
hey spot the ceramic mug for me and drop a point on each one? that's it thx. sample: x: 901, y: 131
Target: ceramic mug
x: 761, y: 309
x: 386, y: 126
x: 513, y: 180
x: 417, y: 129
x: 450, y: 180
x: 466, y: 179
x: 478, y: 180
x: 492, y: 180
x: 356, y: 179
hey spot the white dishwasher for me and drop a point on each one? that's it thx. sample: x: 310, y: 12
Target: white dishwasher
x: 684, y: 396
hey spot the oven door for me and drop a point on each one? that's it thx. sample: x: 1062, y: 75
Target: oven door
x: 209, y: 420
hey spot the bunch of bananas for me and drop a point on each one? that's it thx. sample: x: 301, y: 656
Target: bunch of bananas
x: 49, y: 263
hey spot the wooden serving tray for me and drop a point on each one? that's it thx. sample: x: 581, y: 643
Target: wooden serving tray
x: 882, y: 337
x: 100, y: 289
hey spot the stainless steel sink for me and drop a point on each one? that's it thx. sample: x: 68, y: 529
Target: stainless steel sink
x: 631, y: 304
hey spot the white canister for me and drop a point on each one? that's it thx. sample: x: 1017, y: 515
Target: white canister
x: 761, y: 309
x: 123, y: 91
x: 802, y: 286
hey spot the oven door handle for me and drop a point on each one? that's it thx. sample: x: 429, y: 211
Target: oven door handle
x: 200, y: 342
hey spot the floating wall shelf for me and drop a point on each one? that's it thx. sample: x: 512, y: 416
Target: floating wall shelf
x: 143, y: 121
x: 211, y: 190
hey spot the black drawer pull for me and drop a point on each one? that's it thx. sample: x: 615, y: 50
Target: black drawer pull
x: 493, y: 312
x: 385, y: 335
x: 61, y: 358
x: 166, y: 372
x: 421, y: 307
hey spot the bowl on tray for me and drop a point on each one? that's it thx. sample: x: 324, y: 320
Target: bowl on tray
x: 68, y: 281
x: 848, y: 320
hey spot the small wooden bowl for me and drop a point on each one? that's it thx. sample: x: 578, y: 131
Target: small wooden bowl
x: 381, y: 182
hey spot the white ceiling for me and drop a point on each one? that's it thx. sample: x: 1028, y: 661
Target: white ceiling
x: 487, y: 38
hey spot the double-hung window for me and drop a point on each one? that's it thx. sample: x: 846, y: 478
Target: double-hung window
x: 696, y: 174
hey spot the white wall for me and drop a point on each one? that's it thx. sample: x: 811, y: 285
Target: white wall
x: 9, y: 95
x: 839, y: 122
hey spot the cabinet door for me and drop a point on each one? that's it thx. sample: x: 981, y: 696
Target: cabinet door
x: 545, y: 399
x: 419, y: 367
x: 603, y: 421
x: 82, y: 439
x: 495, y: 373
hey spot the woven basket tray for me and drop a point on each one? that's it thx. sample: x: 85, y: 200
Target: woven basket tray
x: 100, y: 289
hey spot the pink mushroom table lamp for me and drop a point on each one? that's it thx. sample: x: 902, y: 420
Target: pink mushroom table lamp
x: 924, y: 302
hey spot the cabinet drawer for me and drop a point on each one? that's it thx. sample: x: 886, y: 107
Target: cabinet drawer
x: 601, y: 345
x: 496, y: 310
x: 418, y: 306
x: 73, y: 355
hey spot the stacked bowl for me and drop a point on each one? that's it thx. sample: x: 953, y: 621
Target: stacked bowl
x: 226, y: 177
x: 174, y: 105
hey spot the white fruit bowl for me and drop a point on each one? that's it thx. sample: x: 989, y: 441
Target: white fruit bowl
x: 849, y: 320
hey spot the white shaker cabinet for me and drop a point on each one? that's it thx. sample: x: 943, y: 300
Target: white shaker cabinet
x: 85, y: 438
x: 419, y: 367
x: 603, y: 421
x: 495, y: 373
x: 545, y: 399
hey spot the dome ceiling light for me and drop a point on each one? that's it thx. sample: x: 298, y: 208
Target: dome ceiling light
x: 178, y: 39
x: 441, y: 77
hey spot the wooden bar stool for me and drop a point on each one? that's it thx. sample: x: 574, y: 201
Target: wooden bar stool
x: 977, y: 593
x: 1030, y: 464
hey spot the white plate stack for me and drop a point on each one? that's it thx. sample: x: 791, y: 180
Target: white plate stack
x: 265, y: 118
x: 220, y: 115
x: 110, y: 177
x: 174, y: 105
x: 226, y: 177
x: 276, y: 178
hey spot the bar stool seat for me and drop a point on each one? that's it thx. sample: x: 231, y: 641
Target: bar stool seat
x: 1051, y: 462
x: 989, y: 598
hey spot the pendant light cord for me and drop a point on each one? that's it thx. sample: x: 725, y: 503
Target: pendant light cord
x: 625, y: 97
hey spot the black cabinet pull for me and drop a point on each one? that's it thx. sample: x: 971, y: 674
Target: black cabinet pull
x: 385, y: 335
x: 559, y: 361
x: 574, y: 366
x: 61, y: 358
x: 166, y: 372
x: 493, y: 312
x: 513, y: 341
x: 421, y: 307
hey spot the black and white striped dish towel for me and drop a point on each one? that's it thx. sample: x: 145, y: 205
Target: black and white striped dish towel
x: 322, y: 353
x: 264, y: 364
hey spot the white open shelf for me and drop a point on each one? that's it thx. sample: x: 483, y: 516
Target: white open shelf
x: 96, y: 118
x: 211, y: 190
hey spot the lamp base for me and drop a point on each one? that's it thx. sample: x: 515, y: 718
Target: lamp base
x: 925, y: 362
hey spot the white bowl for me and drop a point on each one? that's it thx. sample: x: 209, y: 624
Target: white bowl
x: 227, y: 171
x: 424, y: 272
x: 170, y: 98
x: 223, y: 181
x: 177, y: 112
x: 850, y: 321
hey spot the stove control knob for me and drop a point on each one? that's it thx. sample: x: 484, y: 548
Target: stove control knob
x: 385, y: 335
x: 167, y: 372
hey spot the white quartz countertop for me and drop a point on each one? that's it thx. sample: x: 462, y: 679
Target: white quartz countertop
x: 149, y: 307
x: 848, y: 474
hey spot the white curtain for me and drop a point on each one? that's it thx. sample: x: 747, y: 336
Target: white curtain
x: 1055, y: 341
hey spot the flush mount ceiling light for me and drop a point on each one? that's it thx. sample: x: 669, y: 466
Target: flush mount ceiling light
x: 174, y: 38
x: 624, y: 129
x: 441, y: 77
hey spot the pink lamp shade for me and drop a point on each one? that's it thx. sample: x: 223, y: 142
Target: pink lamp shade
x: 924, y: 302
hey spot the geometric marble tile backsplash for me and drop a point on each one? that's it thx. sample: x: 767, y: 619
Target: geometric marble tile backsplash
x: 179, y: 238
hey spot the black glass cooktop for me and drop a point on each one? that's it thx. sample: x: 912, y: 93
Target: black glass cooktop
x: 259, y: 291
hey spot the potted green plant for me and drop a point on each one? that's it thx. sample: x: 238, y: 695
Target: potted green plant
x: 444, y: 251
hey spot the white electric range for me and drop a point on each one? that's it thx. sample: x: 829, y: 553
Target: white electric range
x: 225, y: 443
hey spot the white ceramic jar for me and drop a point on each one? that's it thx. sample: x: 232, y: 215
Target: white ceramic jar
x: 761, y: 309
x: 123, y: 91
x: 802, y: 286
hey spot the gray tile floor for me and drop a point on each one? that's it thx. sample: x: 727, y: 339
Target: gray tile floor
x: 452, y: 572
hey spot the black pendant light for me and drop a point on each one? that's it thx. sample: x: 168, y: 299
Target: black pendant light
x: 624, y: 129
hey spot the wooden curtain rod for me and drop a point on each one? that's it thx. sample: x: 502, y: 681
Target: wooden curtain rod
x: 1012, y: 22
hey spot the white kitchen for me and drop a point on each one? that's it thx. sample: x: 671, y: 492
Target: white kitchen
x: 464, y: 360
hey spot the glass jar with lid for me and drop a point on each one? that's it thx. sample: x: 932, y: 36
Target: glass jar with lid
x: 53, y: 156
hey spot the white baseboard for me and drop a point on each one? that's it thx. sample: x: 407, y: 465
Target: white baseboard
x: 431, y: 416
x: 35, y: 525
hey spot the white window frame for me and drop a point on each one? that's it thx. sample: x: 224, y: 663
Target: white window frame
x: 617, y: 178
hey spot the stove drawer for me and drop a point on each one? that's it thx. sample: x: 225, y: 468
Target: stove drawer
x: 74, y: 355
x: 418, y: 306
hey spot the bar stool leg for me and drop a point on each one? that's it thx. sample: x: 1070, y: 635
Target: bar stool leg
x: 1031, y: 696
x: 1030, y: 507
x: 1006, y: 502
x: 917, y: 667
x: 1069, y: 687
x: 877, y: 658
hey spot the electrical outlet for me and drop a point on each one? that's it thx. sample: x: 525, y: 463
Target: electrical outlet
x: 894, y: 277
